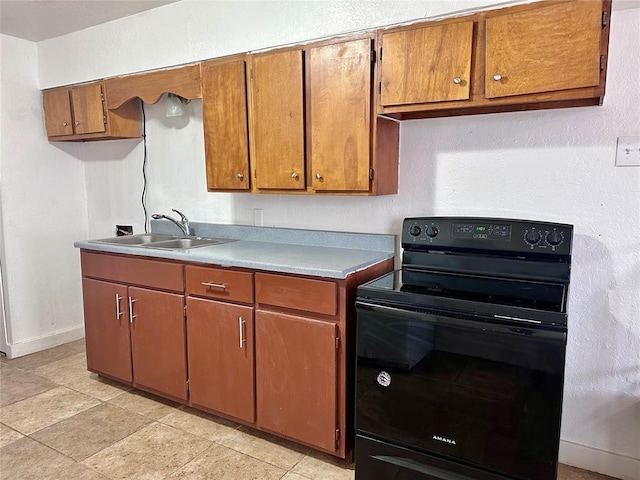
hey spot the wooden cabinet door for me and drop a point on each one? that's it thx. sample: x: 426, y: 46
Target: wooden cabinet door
x: 88, y: 109
x: 277, y: 120
x: 57, y: 112
x: 106, y: 324
x: 224, y: 112
x: 339, y: 78
x: 296, y: 378
x: 431, y: 64
x: 221, y: 367
x: 158, y: 341
x: 554, y: 47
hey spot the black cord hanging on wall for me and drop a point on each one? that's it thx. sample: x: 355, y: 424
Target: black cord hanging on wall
x: 144, y: 170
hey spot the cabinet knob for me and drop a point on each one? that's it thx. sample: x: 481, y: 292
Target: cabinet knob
x: 77, y: 123
x: 318, y: 176
x: 240, y: 176
x: 497, y: 77
x: 65, y: 124
x: 295, y: 176
x: 457, y: 80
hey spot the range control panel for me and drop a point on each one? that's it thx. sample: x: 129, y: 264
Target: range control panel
x: 487, y: 234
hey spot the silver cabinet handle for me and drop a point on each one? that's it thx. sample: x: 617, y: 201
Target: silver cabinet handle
x: 318, y: 176
x: 240, y: 176
x: 223, y: 286
x: 295, y: 176
x: 497, y: 77
x: 241, y: 330
x: 131, y: 315
x: 118, y: 311
x: 457, y: 80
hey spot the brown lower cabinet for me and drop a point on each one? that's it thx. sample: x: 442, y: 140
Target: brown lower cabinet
x: 269, y: 350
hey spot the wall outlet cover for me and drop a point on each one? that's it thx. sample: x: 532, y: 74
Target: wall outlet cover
x: 628, y: 152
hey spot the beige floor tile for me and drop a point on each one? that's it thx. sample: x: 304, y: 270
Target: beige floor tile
x: 78, y: 472
x: 35, y: 360
x: 26, y: 459
x: 221, y: 463
x: 65, y: 371
x: 144, y: 404
x: 98, y: 387
x: 565, y: 472
x: 267, y: 448
x: 18, y: 385
x: 293, y: 476
x: 8, y: 435
x: 90, y: 431
x: 40, y: 411
x: 199, y: 423
x: 324, y: 467
x: 77, y: 346
x: 149, y: 454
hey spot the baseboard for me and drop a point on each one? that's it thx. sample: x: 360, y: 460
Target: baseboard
x: 600, y: 461
x: 38, y: 344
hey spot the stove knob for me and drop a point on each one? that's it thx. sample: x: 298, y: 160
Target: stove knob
x: 532, y: 237
x: 415, y: 230
x: 432, y: 231
x: 554, y: 238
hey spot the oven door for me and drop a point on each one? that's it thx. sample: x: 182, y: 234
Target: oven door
x: 486, y: 394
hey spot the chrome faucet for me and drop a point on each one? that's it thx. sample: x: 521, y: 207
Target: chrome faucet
x: 183, y: 223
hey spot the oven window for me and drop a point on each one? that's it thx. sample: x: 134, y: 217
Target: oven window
x: 489, y: 395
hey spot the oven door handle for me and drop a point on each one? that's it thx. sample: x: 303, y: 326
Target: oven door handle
x: 485, y: 324
x: 410, y: 464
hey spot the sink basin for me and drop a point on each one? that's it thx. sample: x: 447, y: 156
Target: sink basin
x: 159, y: 240
x: 183, y: 243
x: 140, y: 239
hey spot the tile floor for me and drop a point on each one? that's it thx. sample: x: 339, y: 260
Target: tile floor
x: 59, y: 421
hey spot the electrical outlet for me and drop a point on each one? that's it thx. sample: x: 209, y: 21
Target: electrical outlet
x: 628, y: 152
x: 257, y: 217
x: 122, y: 230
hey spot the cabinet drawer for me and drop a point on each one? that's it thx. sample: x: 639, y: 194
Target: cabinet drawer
x: 219, y: 283
x: 318, y: 296
x: 133, y: 271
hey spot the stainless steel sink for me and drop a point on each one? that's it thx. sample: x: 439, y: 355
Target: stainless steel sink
x: 183, y: 243
x: 158, y: 240
x: 139, y: 239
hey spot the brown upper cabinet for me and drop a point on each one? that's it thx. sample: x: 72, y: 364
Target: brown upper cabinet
x: 277, y: 120
x: 224, y: 117
x: 79, y: 113
x: 547, y: 54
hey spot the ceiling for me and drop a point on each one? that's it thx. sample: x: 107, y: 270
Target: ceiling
x: 37, y: 20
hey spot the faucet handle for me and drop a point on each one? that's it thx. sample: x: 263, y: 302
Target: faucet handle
x: 183, y: 217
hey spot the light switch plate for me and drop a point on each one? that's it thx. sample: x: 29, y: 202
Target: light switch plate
x: 628, y: 152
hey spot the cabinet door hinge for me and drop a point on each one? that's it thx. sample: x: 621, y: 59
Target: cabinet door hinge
x: 602, y: 62
x: 185, y: 311
x: 373, y: 56
x: 380, y: 55
x: 604, y: 19
x: 337, y: 435
x: 104, y: 119
x: 380, y: 87
x: 371, y: 174
x: 251, y: 74
x: 187, y: 383
x: 337, y: 343
x: 255, y: 174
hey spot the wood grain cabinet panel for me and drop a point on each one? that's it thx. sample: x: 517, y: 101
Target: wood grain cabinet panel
x: 339, y: 77
x: 430, y: 64
x: 158, y: 342
x: 549, y: 48
x: 219, y: 283
x: 307, y: 294
x: 224, y: 112
x: 296, y: 378
x: 106, y: 327
x: 221, y: 358
x: 57, y: 112
x: 88, y: 109
x: 277, y: 120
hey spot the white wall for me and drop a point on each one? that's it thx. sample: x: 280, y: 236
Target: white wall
x: 555, y: 165
x: 43, y: 212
